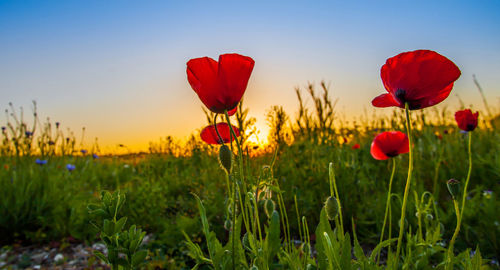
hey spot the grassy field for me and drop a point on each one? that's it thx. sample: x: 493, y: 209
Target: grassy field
x: 44, y: 200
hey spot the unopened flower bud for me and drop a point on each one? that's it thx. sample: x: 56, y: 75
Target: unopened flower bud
x: 453, y: 187
x: 269, y: 207
x: 331, y: 207
x: 225, y: 158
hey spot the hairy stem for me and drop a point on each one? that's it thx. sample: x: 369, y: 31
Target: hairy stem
x: 408, y: 184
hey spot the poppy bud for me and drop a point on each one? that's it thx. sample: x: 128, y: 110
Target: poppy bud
x: 254, y: 268
x: 331, y: 207
x: 453, y: 187
x: 225, y: 158
x: 305, y: 248
x: 228, y: 225
x: 269, y: 207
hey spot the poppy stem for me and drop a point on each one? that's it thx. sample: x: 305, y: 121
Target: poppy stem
x: 387, y: 207
x: 408, y: 184
x: 460, y: 212
x: 449, y: 264
x: 333, y: 182
x: 464, y: 195
x: 242, y: 176
x: 216, y: 130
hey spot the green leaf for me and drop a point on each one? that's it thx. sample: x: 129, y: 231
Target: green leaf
x: 119, y: 224
x: 476, y: 259
x: 358, y: 251
x: 139, y: 257
x: 101, y: 256
x: 108, y: 227
x: 273, y: 242
x: 92, y: 207
x: 380, y: 246
x: 345, y: 259
x: 99, y: 212
x: 321, y: 245
x: 212, y: 243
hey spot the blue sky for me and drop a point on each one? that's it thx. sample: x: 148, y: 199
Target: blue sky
x: 118, y: 67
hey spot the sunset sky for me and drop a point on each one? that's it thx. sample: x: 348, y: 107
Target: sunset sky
x: 118, y: 68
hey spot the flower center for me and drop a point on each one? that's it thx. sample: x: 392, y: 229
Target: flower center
x: 401, y: 97
x: 392, y: 153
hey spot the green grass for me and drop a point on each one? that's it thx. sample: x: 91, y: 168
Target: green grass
x: 40, y: 203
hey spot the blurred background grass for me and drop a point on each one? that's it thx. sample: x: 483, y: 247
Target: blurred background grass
x: 46, y: 202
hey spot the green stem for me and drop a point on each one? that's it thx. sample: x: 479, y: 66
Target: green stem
x: 242, y: 177
x: 240, y: 152
x: 234, y: 225
x: 459, y: 212
x: 449, y: 264
x: 408, y: 184
x: 333, y: 183
x: 387, y: 206
x: 464, y: 195
x: 216, y: 129
x: 298, y: 218
x: 418, y: 204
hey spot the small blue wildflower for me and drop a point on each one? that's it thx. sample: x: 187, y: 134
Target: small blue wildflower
x: 41, y: 161
x: 28, y: 133
x: 3, y: 129
x: 95, y: 156
x: 487, y: 193
x: 83, y: 151
x: 57, y: 124
x: 70, y: 167
x: 463, y: 131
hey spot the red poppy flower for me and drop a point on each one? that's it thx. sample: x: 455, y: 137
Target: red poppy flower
x: 422, y: 78
x: 356, y: 146
x: 389, y: 144
x: 209, y: 135
x: 466, y: 120
x: 220, y: 85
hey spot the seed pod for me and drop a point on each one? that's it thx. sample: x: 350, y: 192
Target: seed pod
x: 269, y: 207
x: 453, y: 187
x: 225, y: 158
x: 331, y: 207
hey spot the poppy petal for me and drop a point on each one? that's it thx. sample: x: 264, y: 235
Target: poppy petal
x: 466, y: 120
x: 209, y: 134
x: 422, y: 78
x: 202, y: 76
x: 385, y: 100
x: 233, y: 111
x: 232, y: 78
x: 389, y: 144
